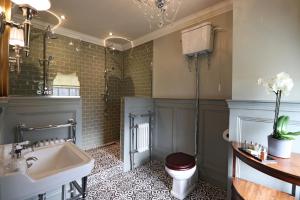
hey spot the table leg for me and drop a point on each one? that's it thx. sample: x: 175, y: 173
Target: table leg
x: 233, y: 165
x: 293, y: 189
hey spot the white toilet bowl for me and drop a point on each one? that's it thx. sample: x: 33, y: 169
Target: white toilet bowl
x: 181, y: 167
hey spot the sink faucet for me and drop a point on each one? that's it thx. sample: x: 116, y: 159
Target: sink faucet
x: 29, y: 145
x: 16, y: 150
x: 30, y: 160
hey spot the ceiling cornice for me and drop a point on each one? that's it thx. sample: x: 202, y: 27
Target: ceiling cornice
x: 190, y: 20
x: 66, y: 32
x: 69, y: 33
x: 80, y: 36
x: 195, y: 18
x: 76, y: 35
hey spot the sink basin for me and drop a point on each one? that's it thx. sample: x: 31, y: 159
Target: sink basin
x: 56, y: 165
x: 55, y: 160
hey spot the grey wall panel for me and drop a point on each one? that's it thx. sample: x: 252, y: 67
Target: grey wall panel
x: 41, y: 111
x: 214, y: 119
x: 174, y: 127
x: 174, y: 131
x: 253, y: 121
x: 184, y: 130
x: 138, y: 106
x: 3, y: 104
x: 163, y: 134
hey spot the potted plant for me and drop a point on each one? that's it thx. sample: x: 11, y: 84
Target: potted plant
x: 280, y: 141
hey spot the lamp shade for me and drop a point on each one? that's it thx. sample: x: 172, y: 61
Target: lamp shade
x: 40, y: 5
x: 16, y: 37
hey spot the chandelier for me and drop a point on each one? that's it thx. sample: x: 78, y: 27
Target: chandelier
x: 161, y: 12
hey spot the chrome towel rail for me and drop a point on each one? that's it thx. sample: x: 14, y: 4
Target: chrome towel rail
x: 133, y: 136
x: 21, y: 129
x: 24, y: 128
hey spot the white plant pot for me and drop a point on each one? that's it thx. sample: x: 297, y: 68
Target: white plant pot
x: 279, y: 148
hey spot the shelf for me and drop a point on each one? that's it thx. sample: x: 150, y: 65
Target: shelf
x: 287, y: 170
x: 243, y: 189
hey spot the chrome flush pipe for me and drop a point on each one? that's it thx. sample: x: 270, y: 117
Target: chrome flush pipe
x: 197, y: 113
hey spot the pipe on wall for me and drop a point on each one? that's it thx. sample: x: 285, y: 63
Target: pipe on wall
x: 197, y: 117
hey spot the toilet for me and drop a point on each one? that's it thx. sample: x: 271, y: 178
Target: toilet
x: 181, y: 167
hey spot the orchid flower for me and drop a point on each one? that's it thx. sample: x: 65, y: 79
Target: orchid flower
x: 281, y: 82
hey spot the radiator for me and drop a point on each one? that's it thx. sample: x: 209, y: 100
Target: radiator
x: 143, y: 137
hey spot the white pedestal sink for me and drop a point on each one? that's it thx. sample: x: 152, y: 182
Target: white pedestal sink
x: 56, y: 165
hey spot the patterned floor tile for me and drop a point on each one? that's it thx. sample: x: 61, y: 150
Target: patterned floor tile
x: 109, y: 182
x: 105, y: 157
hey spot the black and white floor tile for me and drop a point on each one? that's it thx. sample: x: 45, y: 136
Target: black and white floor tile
x: 109, y: 182
x: 105, y: 157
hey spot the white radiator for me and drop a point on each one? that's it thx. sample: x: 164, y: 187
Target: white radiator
x: 143, y: 137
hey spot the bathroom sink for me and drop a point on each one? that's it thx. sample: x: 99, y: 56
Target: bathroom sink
x: 57, y: 165
x: 55, y: 161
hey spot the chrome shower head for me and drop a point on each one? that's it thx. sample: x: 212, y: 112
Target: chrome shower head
x: 111, y: 47
x: 49, y: 34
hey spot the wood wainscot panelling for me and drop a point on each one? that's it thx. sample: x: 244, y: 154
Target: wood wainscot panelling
x: 6, y: 6
x: 174, y: 127
x: 212, y: 159
x: 163, y: 135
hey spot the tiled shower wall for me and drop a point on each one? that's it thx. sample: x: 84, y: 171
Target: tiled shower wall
x: 129, y: 74
x: 114, y: 66
x: 138, y: 71
x: 66, y: 60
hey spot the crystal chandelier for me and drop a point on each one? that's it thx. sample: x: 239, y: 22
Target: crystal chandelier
x: 161, y: 12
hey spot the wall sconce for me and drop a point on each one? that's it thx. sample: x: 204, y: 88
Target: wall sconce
x: 16, y: 39
x: 29, y: 9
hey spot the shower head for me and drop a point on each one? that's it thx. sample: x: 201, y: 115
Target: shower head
x: 52, y: 36
x: 49, y: 34
x: 111, y: 47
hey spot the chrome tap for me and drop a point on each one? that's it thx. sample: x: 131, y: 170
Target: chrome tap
x: 30, y: 160
x: 17, y: 148
x: 30, y: 145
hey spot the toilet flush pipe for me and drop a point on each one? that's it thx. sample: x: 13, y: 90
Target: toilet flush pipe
x: 197, y: 117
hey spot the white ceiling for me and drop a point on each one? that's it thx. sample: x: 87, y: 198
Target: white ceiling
x: 121, y: 17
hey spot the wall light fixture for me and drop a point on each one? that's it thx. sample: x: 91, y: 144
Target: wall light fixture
x: 29, y: 9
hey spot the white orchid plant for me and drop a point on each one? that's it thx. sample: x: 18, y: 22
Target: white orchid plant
x: 281, y: 84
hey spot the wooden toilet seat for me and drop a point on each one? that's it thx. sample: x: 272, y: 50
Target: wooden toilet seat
x: 180, y: 161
